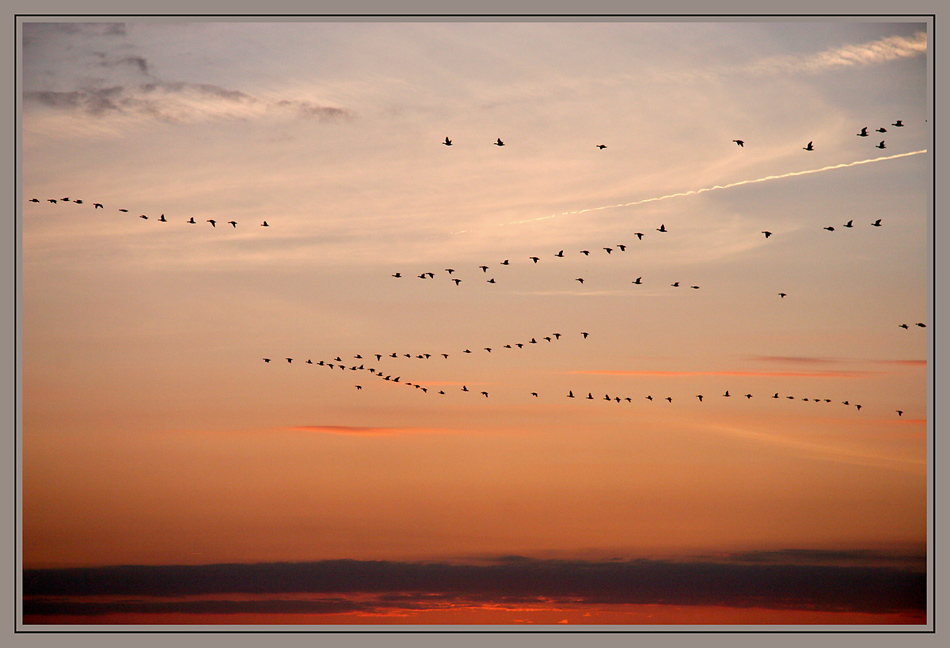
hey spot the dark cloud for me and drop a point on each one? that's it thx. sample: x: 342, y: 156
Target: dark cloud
x: 740, y: 583
x: 94, y: 102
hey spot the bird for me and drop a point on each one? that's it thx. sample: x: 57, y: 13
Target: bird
x: 810, y: 147
x: 289, y: 360
x: 782, y: 295
x: 359, y: 387
x: 488, y: 349
x: 447, y: 142
x: 601, y: 146
x: 161, y: 219
x: 34, y: 199
x: 669, y: 398
x: 505, y: 262
x: 445, y: 355
x: 849, y: 224
x: 858, y: 406
x: 66, y: 199
x: 53, y: 200
x: 492, y: 280
x: 77, y: 201
x: 623, y: 248
x: 695, y: 287
x: 726, y: 394
x: 748, y: 395
x: 266, y: 359
x: 557, y: 336
x: 921, y: 325
x: 580, y: 279
x: 431, y: 275
x: 94, y: 205
x: 191, y: 220
x: 776, y: 395
x: 700, y: 397
x: 212, y: 221
x: 609, y: 250
x: 675, y: 284
x: 464, y: 388
x: 498, y: 142
x: 639, y: 235
x: 638, y: 282
x: 398, y: 275
x: 864, y: 132
x: 264, y: 224
x: 903, y: 326
x: 881, y: 130
x: 535, y: 259
x: 232, y: 223
x: 649, y: 398
x: 899, y: 412
x: 485, y: 394
x: 144, y: 216
x: 739, y: 142
x: 570, y: 394
x: 560, y: 254
x: 484, y: 268
x: 467, y: 351
x: 422, y: 276
x: 661, y: 228
x: 121, y: 210
x: 830, y: 229
x: 585, y: 252
x: 898, y: 124
x: 450, y: 270
x: 590, y: 396
x: 585, y: 334
x: 767, y: 234
x: 877, y: 223
x: 457, y: 281
x: 881, y: 145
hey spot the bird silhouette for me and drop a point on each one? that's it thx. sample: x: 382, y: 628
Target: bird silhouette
x: 782, y: 295
x: 585, y: 252
x: 850, y: 223
x: 726, y: 394
x: 484, y: 268
x: 695, y: 287
x: 669, y: 398
x: 66, y: 199
x: 457, y: 281
x: 675, y: 284
x: 898, y: 124
x: 290, y: 360
x: 264, y: 224
x: 623, y: 248
x: 359, y: 387
x: 266, y: 359
x: 881, y: 130
x: 505, y: 262
x: 232, y: 223
x: 767, y: 234
x: 864, y: 132
x: 121, y: 210
x: 488, y: 349
x: 535, y: 259
x: 639, y: 235
x: 585, y: 334
x: 191, y: 220
x: 877, y: 223
x: 485, y: 394
x: 609, y: 250
x: 450, y: 270
x: 899, y: 412
x: 580, y: 279
x: 748, y: 395
x: 161, y: 219
x: 53, y: 200
x: 36, y: 200
x: 77, y: 201
x: 557, y: 336
x: 464, y: 388
x: 144, y: 216
x: 739, y: 142
x: 661, y: 228
x: 570, y: 394
x: 700, y: 397
x: 398, y: 275
x: 601, y: 146
x: 492, y: 280
x: 212, y: 221
x: 498, y: 142
x: 881, y: 145
x: 637, y: 281
x: 560, y: 254
x: 830, y: 229
x: 858, y: 406
x: 648, y: 397
x: 810, y: 147
x: 921, y: 325
x: 447, y: 142
x: 94, y: 205
x: 776, y: 395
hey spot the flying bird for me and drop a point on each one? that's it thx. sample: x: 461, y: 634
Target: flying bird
x: 661, y: 228
x: 121, y: 210
x: 585, y: 252
x: 700, y: 397
x: 94, y: 205
x: 864, y: 132
x: 881, y: 145
x: 877, y: 223
x: 560, y: 254
x: 830, y: 229
x: 492, y: 280
x: 739, y: 142
x: 498, y: 142
x: 849, y: 224
x: 232, y: 223
x: 898, y: 124
x: 899, y: 412
x: 191, y: 220
x: 505, y: 262
x: 581, y: 279
x: 485, y: 394
x: 570, y: 394
x: 695, y: 287
x: 639, y: 235
x: 34, y: 199
x: 767, y: 234
x: 535, y: 259
x: 601, y: 146
x: 726, y: 394
x: 212, y: 221
x: 266, y: 359
x: 290, y: 360
x: 161, y: 219
x: 144, y: 216
x: 782, y: 295
x: 609, y: 250
x: 810, y: 147
x: 450, y: 270
x: 484, y: 268
x: 675, y: 284
x: 585, y: 334
x: 669, y: 398
x: 649, y: 398
x: 457, y: 281
x: 398, y: 275
x: 447, y: 142
x: 921, y: 325
x: 881, y: 130
x: 53, y: 200
x: 637, y: 281
x: 264, y: 224
x: 623, y: 248
x: 77, y: 201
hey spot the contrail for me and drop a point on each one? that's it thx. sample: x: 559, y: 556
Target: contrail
x: 716, y: 187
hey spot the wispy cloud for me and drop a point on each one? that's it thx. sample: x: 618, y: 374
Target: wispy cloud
x: 692, y: 374
x: 362, y: 431
x: 874, y: 53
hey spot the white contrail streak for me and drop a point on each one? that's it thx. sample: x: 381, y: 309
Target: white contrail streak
x: 716, y: 187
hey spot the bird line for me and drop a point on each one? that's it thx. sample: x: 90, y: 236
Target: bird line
x: 730, y: 185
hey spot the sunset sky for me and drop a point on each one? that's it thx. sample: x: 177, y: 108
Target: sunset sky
x: 473, y: 489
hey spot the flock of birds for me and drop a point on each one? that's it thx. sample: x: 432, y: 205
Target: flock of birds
x: 339, y: 363
x: 160, y: 219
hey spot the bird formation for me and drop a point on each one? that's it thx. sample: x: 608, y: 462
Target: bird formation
x: 160, y: 219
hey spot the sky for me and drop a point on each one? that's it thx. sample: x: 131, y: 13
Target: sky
x: 510, y: 447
